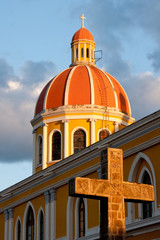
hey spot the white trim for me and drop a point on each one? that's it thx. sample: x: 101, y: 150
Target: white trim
x: 52, y: 81
x: 132, y: 177
x: 16, y: 228
x: 29, y: 204
x: 79, y: 52
x: 47, y: 216
x: 44, y: 158
x: 10, y: 223
x: 92, y: 130
x: 72, y: 138
x: 66, y: 134
x: 91, y: 85
x: 70, y: 218
x: 50, y: 145
x: 6, y: 225
x: 37, y: 150
x: 114, y: 91
x: 53, y: 213
x: 34, y: 153
x: 66, y: 92
x: 126, y: 96
x: 101, y: 130
x: 98, y: 117
x: 38, y: 221
x: 77, y: 217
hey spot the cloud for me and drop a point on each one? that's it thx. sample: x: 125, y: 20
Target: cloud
x: 6, y: 73
x: 155, y: 57
x: 143, y: 90
x: 17, y: 102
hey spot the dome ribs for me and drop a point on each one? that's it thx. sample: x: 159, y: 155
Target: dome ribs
x: 39, y: 105
x: 55, y: 97
x: 83, y: 34
x: 123, y: 101
x: 79, y: 89
x: 103, y: 89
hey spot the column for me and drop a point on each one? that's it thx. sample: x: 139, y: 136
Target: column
x: 90, y: 52
x: 6, y: 225
x: 66, y: 122
x: 44, y: 163
x: 47, y: 215
x: 34, y: 152
x: 84, y: 51
x: 10, y: 223
x: 79, y: 51
x: 116, y: 126
x: 53, y: 213
x: 92, y: 120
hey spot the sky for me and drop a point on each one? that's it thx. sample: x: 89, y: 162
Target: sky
x: 35, y: 37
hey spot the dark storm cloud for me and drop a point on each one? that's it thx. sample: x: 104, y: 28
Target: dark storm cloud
x: 17, y: 103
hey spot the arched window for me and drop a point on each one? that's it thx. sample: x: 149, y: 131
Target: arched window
x: 79, y: 140
x: 19, y: 230
x: 147, y: 207
x: 87, y: 52
x: 30, y: 225
x: 76, y: 52
x: 82, y: 53
x: 40, y: 150
x: 81, y: 218
x: 56, y: 146
x: 41, y: 226
x: 103, y: 134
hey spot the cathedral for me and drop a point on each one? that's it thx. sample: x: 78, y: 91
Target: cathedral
x: 79, y: 113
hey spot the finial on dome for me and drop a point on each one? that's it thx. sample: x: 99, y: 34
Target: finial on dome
x: 83, y: 20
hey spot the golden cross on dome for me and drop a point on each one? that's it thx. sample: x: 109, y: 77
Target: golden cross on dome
x: 83, y: 20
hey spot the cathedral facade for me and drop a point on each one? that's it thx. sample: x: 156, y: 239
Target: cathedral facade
x: 79, y: 113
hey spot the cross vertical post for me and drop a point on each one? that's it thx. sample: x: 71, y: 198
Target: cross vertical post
x: 82, y: 17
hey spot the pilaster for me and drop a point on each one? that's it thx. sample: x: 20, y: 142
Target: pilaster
x: 34, y: 152
x: 66, y: 123
x: 47, y: 218
x: 6, y: 225
x: 44, y: 160
x: 53, y: 213
x: 10, y: 224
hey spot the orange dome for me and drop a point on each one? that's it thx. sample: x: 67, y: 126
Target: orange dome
x: 84, y: 34
x: 80, y: 85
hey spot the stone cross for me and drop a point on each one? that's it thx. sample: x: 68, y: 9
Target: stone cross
x: 83, y: 20
x: 113, y: 189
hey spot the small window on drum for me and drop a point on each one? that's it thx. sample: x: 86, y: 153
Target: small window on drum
x: 82, y: 52
x: 56, y: 146
x: 79, y: 140
x: 87, y: 52
x: 103, y: 134
x: 76, y: 52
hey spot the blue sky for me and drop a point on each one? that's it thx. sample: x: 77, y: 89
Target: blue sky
x: 35, y: 46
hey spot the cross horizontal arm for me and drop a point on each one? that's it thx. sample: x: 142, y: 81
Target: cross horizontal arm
x: 138, y: 192
x: 89, y: 187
